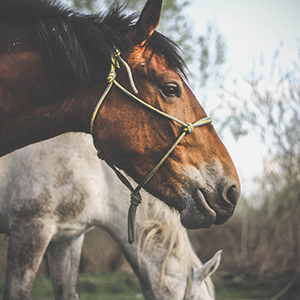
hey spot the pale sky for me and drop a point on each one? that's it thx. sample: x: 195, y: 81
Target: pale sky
x: 251, y: 27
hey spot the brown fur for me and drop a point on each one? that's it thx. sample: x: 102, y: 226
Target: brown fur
x: 35, y: 107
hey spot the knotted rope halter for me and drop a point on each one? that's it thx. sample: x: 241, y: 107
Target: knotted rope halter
x: 136, y: 199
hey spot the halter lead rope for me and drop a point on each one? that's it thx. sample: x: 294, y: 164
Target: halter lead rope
x: 188, y: 128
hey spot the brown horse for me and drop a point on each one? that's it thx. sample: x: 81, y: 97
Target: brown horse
x: 53, y: 65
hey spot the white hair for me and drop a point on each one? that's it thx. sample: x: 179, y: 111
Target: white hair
x: 162, y: 230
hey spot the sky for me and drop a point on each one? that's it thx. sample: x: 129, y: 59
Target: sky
x: 251, y: 28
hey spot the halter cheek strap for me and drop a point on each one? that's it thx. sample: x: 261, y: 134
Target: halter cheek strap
x: 136, y: 199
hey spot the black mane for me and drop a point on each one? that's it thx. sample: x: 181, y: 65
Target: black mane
x: 74, y: 45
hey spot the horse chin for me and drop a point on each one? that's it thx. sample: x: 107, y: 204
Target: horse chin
x: 197, y: 214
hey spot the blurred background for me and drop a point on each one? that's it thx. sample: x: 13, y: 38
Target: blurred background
x: 244, y: 62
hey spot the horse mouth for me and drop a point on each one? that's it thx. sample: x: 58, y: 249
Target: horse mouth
x: 197, y: 212
x: 205, y: 209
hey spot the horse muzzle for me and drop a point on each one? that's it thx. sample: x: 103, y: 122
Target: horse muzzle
x: 211, y: 202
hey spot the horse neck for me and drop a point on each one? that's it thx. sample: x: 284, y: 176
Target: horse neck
x: 165, y: 242
x: 40, y: 108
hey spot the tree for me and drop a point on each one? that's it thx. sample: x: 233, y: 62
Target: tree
x: 273, y: 111
x: 212, y: 57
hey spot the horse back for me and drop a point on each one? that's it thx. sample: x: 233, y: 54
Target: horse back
x: 53, y: 186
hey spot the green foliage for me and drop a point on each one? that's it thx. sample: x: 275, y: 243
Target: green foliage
x: 84, y: 4
x: 177, y: 27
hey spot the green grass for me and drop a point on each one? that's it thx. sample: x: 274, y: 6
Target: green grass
x: 117, y: 286
x: 124, y: 286
x: 242, y: 293
x: 236, y: 288
x: 110, y: 286
x: 42, y: 289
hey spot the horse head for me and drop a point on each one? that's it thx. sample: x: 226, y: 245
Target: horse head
x: 198, y: 178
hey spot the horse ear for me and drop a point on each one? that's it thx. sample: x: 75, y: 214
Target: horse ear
x: 148, y: 21
x: 208, y: 268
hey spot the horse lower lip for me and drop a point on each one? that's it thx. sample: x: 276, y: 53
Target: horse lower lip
x: 202, y: 202
x: 198, y: 214
x: 222, y: 218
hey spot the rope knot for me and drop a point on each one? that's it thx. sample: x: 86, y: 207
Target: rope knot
x: 189, y: 128
x: 111, y: 76
x: 117, y: 53
x: 136, y: 199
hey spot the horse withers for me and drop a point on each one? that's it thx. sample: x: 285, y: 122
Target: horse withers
x: 53, y: 69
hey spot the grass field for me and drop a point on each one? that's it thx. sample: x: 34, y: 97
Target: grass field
x: 114, y: 286
x: 124, y: 286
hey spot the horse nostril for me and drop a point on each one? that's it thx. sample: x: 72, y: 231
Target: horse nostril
x: 233, y: 194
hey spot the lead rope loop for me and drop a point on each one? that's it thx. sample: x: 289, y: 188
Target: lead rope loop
x: 135, y: 201
x: 135, y: 196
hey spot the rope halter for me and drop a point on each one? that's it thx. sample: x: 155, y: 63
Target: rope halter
x: 136, y: 199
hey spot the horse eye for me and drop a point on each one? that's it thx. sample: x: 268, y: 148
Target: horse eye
x: 171, y: 90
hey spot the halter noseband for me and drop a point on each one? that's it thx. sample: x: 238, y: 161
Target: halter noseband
x: 187, y: 129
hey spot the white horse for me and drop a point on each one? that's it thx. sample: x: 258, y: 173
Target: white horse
x: 53, y: 192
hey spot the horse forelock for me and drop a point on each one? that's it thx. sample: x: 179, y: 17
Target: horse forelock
x: 76, y: 46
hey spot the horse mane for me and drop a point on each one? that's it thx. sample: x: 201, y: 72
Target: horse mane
x: 76, y: 46
x: 162, y: 228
